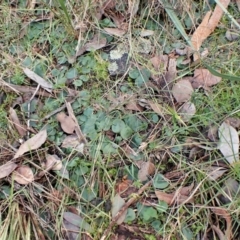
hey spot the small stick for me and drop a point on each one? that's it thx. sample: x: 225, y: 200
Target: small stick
x: 124, y: 208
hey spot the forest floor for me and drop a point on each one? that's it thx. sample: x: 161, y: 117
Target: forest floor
x: 119, y: 120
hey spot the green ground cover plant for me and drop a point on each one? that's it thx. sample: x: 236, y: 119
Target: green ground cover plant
x: 115, y: 124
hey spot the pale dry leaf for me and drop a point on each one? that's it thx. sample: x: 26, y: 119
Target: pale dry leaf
x: 146, y: 33
x: 157, y: 108
x: 208, y: 25
x: 117, y: 204
x: 146, y: 169
x: 53, y: 162
x: 238, y: 4
x: 187, y: 111
x: 36, y: 78
x: 230, y: 190
x: 133, y: 6
x: 228, y: 142
x: 67, y: 123
x: 23, y: 175
x: 134, y: 106
x: 78, y: 221
x: 20, y: 128
x: 72, y: 141
x: 96, y: 44
x: 182, y: 90
x: 160, y: 62
x: 215, y: 172
x: 115, y: 31
x: 33, y: 143
x: 7, y: 168
x: 203, y: 78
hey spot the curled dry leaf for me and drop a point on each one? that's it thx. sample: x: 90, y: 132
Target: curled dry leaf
x: 43, y: 83
x: 187, y: 111
x: 23, y: 175
x: 203, y: 78
x: 182, y: 90
x: 146, y: 169
x: 7, y: 168
x: 228, y: 142
x: 67, y: 123
x: 53, y: 162
x: 20, y: 128
x: 33, y: 143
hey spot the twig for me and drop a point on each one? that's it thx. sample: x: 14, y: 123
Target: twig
x: 124, y: 208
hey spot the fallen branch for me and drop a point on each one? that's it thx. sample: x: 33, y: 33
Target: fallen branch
x: 124, y: 208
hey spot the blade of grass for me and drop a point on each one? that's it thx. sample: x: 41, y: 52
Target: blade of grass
x: 169, y: 9
x: 216, y: 73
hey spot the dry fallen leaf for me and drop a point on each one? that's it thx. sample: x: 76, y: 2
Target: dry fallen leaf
x: 157, y: 108
x: 187, y: 111
x: 203, y: 78
x: 215, y: 172
x: 171, y: 198
x: 146, y: 169
x: 182, y: 90
x: 23, y: 175
x: 160, y: 62
x: 96, y: 43
x: 222, y: 212
x: 43, y: 83
x: 53, y: 162
x: 115, y: 31
x: 117, y: 203
x: 207, y: 26
x: 20, y: 128
x: 7, y: 168
x: 33, y: 143
x: 72, y: 141
x: 67, y: 123
x: 228, y: 142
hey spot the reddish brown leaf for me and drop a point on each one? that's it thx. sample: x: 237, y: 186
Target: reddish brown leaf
x: 208, y: 25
